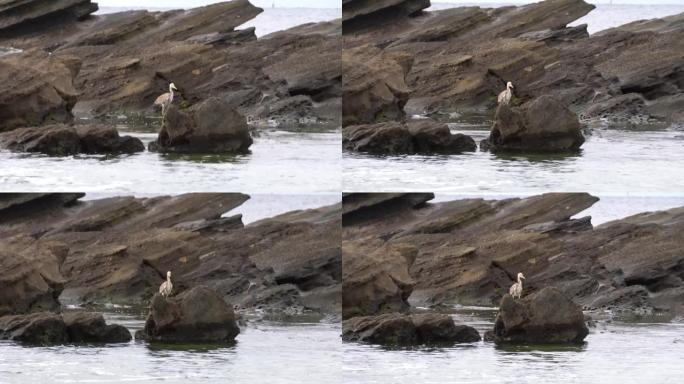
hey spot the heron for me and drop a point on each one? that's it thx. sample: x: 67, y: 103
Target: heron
x: 517, y: 288
x: 505, y: 96
x: 166, y: 287
x: 165, y: 100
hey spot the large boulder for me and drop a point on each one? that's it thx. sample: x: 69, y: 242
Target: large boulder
x: 375, y: 282
x: 210, y: 126
x: 88, y: 327
x: 36, y: 89
x: 53, y: 328
x: 544, y: 317
x: 66, y: 140
x: 359, y: 12
x: 403, y: 329
x: 421, y: 136
x: 543, y: 124
x: 197, y: 315
x: 30, y: 13
x: 374, y: 85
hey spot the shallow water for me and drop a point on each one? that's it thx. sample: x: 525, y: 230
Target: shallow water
x: 611, y: 162
x: 264, y: 352
x: 281, y: 161
x: 613, y: 353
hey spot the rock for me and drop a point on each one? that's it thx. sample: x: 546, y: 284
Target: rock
x: 374, y: 87
x: 66, y: 140
x: 53, y: 328
x: 211, y: 126
x: 375, y: 282
x: 364, y: 205
x: 423, y: 136
x: 25, y: 14
x: 87, y: 327
x: 197, y: 315
x: 36, y: 89
x: 402, y: 329
x: 543, y: 125
x: 30, y: 273
x: 36, y: 328
x: 355, y: 12
x: 544, y: 317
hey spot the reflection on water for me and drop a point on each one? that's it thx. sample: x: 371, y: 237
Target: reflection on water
x: 613, y: 353
x: 279, y: 161
x: 264, y: 352
x: 612, y: 161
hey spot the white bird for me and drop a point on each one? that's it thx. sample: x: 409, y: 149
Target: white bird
x: 505, y: 96
x: 166, y: 287
x: 165, y: 100
x: 517, y: 288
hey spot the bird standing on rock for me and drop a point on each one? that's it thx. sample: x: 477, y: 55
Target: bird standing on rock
x: 166, y: 287
x: 505, y: 96
x: 164, y: 101
x: 517, y: 288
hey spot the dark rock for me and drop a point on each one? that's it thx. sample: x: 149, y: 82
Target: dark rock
x: 543, y: 125
x: 423, y: 136
x: 210, y: 126
x: 66, y: 140
x: 544, y: 317
x: 402, y: 329
x: 36, y: 328
x: 23, y: 14
x: 197, y: 315
x: 355, y: 12
x: 87, y: 327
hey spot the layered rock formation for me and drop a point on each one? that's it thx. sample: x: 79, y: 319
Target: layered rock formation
x: 119, y: 249
x: 469, y: 251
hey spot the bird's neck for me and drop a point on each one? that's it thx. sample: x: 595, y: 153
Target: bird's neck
x: 519, y: 281
x: 168, y: 278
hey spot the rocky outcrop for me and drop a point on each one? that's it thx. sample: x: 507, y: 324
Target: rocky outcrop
x: 118, y: 250
x: 402, y: 329
x: 211, y: 126
x: 53, y: 328
x: 463, y: 57
x: 356, y: 13
x: 469, y: 251
x: 66, y: 140
x: 203, y: 53
x: 544, y: 317
x: 88, y: 327
x: 198, y: 315
x: 421, y: 136
x: 542, y: 125
x: 26, y: 14
x: 374, y: 85
x: 36, y: 89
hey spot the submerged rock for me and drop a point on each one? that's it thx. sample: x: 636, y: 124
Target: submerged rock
x: 211, y: 126
x: 66, y: 140
x: 422, y: 136
x: 53, y: 328
x: 544, y: 317
x: 543, y: 124
x: 403, y: 329
x: 197, y: 315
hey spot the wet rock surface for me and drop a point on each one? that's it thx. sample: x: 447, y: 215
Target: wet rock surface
x: 55, y: 328
x: 543, y: 125
x: 196, y: 315
x: 57, y: 249
x: 544, y: 317
x: 422, y: 136
x: 463, y: 57
x: 403, y: 329
x: 129, y: 58
x: 66, y: 140
x: 212, y: 126
x: 469, y: 251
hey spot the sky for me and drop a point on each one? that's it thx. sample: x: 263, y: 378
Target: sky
x: 197, y: 3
